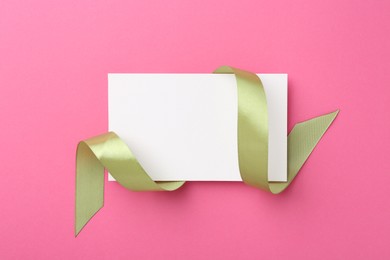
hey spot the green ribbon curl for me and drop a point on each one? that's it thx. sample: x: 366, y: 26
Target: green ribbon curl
x: 108, y: 151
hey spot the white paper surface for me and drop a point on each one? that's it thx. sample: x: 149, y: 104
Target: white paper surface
x: 184, y: 126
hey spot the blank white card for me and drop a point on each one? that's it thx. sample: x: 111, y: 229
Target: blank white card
x: 184, y: 126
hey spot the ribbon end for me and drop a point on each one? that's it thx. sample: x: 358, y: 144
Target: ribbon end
x: 82, y: 220
x: 89, y: 186
x: 301, y: 142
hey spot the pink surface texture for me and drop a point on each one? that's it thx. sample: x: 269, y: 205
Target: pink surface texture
x: 54, y: 60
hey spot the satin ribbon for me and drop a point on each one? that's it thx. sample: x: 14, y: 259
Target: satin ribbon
x: 108, y: 151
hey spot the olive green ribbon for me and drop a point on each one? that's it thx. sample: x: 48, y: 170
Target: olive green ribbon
x: 108, y: 151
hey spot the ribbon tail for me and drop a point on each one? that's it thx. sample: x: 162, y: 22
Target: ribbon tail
x: 89, y: 186
x: 108, y: 151
x: 302, y: 140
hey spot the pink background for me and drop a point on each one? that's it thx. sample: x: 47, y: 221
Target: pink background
x: 54, y: 60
